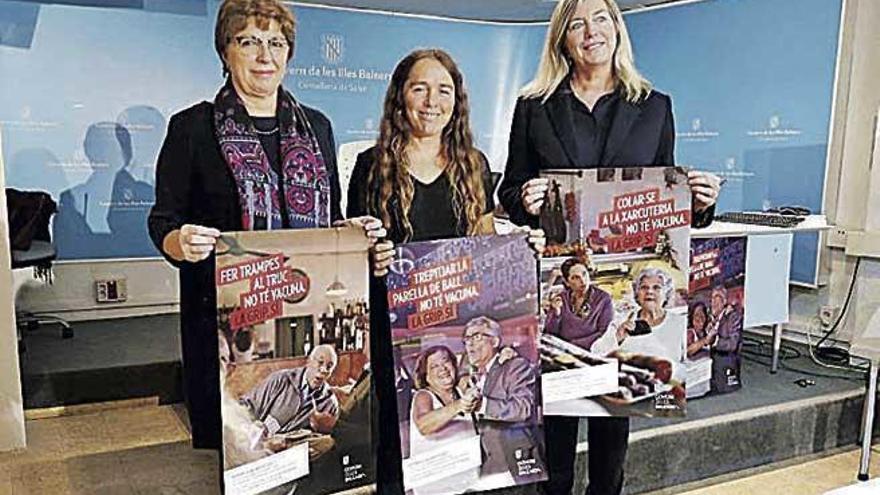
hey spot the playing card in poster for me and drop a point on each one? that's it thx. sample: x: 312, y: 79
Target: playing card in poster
x: 465, y: 333
x: 293, y: 334
x: 715, y: 318
x: 614, y: 283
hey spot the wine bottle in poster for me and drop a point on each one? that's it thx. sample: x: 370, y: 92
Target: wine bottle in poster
x: 295, y: 397
x: 615, y: 290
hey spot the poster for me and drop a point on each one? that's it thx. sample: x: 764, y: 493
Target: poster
x: 465, y: 333
x: 715, y: 317
x: 614, y: 283
x: 293, y: 335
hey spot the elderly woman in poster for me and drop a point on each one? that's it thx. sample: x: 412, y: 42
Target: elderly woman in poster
x: 653, y: 330
x: 254, y: 158
x: 588, y: 107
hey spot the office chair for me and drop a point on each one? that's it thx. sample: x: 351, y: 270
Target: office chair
x: 32, y: 252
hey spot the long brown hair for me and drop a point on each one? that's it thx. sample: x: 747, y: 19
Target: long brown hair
x: 389, y: 178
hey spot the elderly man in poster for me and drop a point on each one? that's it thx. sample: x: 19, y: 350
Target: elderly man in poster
x: 298, y: 398
x: 726, y: 321
x: 507, y: 410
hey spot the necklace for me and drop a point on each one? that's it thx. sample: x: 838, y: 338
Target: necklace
x: 266, y: 133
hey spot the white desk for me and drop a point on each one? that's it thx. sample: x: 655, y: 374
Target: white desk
x: 768, y: 260
x: 811, y: 223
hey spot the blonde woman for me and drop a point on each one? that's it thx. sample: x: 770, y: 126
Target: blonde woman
x: 588, y: 107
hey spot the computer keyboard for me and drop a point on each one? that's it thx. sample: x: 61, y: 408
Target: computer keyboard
x: 763, y: 219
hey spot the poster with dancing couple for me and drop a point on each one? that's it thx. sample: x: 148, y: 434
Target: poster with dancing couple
x: 465, y: 332
x: 614, y: 288
x: 715, y: 318
x: 293, y: 335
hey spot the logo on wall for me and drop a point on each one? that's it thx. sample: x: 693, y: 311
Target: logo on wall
x: 775, y: 131
x: 332, y: 46
x: 697, y: 134
x: 300, y: 284
x: 731, y: 170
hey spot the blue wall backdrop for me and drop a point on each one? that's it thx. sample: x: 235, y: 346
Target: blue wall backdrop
x: 85, y: 112
x: 752, y: 86
x: 91, y: 89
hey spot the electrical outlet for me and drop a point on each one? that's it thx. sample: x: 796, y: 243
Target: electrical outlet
x: 111, y: 290
x: 827, y: 315
x: 836, y: 237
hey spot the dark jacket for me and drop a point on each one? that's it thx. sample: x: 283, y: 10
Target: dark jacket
x: 543, y: 137
x: 195, y: 185
x: 509, y: 431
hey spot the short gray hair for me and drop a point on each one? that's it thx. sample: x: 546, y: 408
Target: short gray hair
x: 492, y: 326
x: 721, y: 291
x: 325, y: 347
x: 665, y: 281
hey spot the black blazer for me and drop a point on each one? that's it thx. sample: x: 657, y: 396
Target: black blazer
x: 543, y: 137
x: 194, y: 185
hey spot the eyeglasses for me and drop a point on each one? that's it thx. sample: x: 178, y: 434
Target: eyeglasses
x: 476, y: 337
x: 251, y: 45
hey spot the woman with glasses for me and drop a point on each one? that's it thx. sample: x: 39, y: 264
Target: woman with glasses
x: 588, y: 107
x: 253, y: 158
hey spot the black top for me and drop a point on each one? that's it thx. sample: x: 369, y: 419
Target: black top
x: 591, y: 127
x: 432, y: 217
x: 544, y: 136
x: 269, y: 133
x: 432, y: 213
x: 195, y: 185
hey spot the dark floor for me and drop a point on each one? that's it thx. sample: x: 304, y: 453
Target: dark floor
x: 105, y: 360
x: 103, y: 344
x: 139, y: 357
x: 107, y: 354
x: 761, y: 388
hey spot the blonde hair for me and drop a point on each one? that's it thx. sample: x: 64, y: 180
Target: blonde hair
x: 555, y: 66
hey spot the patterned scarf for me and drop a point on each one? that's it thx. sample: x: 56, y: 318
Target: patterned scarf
x: 304, y: 173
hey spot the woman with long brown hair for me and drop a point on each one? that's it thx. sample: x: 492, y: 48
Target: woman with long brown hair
x: 425, y: 179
